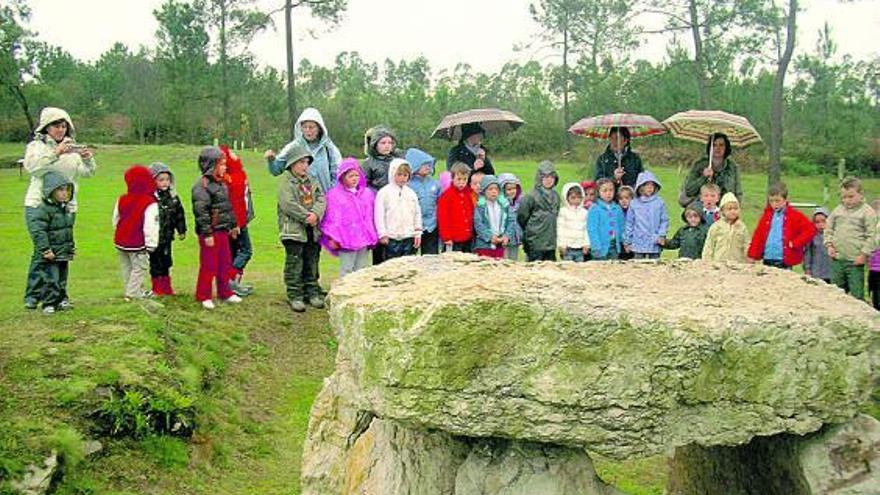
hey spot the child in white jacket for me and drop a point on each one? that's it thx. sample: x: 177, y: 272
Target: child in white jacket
x: 572, y: 239
x: 397, y: 213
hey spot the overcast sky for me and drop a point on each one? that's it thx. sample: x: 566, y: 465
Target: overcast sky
x: 479, y: 32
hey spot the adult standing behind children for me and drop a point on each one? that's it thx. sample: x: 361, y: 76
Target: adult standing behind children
x: 619, y: 162
x: 537, y: 215
x: 311, y: 132
x: 53, y: 149
x: 470, y: 150
x: 723, y: 171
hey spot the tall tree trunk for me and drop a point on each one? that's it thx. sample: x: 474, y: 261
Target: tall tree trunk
x: 774, y: 174
x: 291, y: 88
x: 224, y: 71
x: 566, y: 112
x: 25, y: 107
x: 699, y: 64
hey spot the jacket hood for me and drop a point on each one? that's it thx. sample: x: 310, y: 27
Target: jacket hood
x: 568, y: 187
x: 508, y: 178
x: 208, y: 158
x: 53, y: 181
x: 347, y: 166
x: 313, y: 115
x: 139, y: 180
x: 728, y: 197
x: 157, y: 168
x: 647, y: 176
x: 694, y: 208
x: 233, y: 161
x: 297, y: 152
x: 393, y: 166
x: 546, y: 168
x: 821, y: 211
x: 416, y: 158
x: 487, y: 181
x: 52, y: 114
x: 373, y: 136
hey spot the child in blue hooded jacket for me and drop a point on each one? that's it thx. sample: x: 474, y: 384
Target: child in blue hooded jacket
x: 428, y: 191
x: 512, y: 190
x: 493, y: 224
x: 646, y: 221
x: 605, y: 223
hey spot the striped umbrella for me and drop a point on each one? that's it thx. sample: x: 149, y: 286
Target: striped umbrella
x: 600, y: 126
x: 699, y: 125
x: 494, y: 121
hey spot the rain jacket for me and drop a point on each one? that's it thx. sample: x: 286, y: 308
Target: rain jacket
x: 797, y: 232
x: 376, y: 165
x: 851, y: 231
x: 727, y: 178
x: 727, y: 241
x: 239, y: 189
x: 483, y: 225
x: 297, y: 197
x: 426, y: 188
x: 605, y: 224
x: 40, y: 158
x: 325, y: 154
x: 513, y: 206
x: 348, y: 219
x: 689, y: 240
x: 455, y: 215
x: 171, y: 215
x: 460, y: 153
x: 538, y: 211
x: 397, y: 212
x: 210, y: 202
x: 646, y: 219
x: 631, y: 162
x: 816, y: 259
x: 51, y: 225
x: 571, y: 223
x: 136, y: 214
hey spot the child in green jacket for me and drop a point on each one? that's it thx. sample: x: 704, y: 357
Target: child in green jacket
x: 51, y: 230
x: 690, y: 237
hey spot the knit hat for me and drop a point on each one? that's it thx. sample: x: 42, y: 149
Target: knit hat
x: 728, y: 197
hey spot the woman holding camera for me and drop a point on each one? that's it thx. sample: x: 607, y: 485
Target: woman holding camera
x: 53, y: 149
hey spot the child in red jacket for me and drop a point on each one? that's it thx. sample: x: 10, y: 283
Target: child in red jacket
x: 243, y: 208
x: 782, y: 233
x: 455, y: 211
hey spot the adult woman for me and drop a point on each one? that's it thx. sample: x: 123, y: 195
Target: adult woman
x: 53, y: 149
x: 311, y: 132
x: 470, y: 150
x: 723, y: 171
x: 619, y: 163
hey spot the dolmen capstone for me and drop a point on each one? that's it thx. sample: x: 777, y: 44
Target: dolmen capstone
x: 460, y: 375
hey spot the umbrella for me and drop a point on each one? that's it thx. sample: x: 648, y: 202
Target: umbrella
x: 600, y: 126
x: 492, y: 120
x: 699, y: 125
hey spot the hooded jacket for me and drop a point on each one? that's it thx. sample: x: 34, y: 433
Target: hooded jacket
x: 376, y: 165
x: 797, y: 232
x: 646, y: 219
x: 297, y: 197
x: 40, y: 159
x: 210, y: 198
x: 690, y: 240
x: 426, y: 188
x: 605, y: 224
x: 852, y: 231
x: 239, y: 189
x: 571, y: 224
x: 136, y: 214
x: 538, y: 211
x: 172, y: 217
x: 513, y: 206
x: 630, y: 161
x: 51, y: 225
x: 816, y: 260
x: 397, y: 212
x: 483, y: 230
x: 348, y: 219
x: 727, y: 241
x: 325, y: 154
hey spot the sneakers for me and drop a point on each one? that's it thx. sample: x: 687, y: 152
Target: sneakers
x: 48, y: 310
x: 297, y: 305
x: 65, y: 305
x: 240, y: 290
x: 233, y: 299
x: 316, y: 302
x: 208, y: 304
x: 30, y: 304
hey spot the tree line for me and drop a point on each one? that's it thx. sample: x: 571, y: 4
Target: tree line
x: 202, y: 82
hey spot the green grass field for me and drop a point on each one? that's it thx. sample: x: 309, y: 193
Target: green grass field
x: 244, y: 377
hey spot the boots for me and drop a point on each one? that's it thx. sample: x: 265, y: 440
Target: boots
x: 166, y: 285
x: 158, y: 288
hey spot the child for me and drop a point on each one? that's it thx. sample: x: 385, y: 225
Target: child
x: 691, y: 237
x: 728, y: 238
x: 51, y: 228
x: 475, y: 180
x: 348, y: 229
x: 171, y: 218
x: 428, y: 191
x: 646, y: 220
x: 605, y: 222
x: 817, y: 263
x: 849, y: 238
x: 398, y: 215
x: 492, y: 221
x: 380, y: 146
x: 625, y: 195
x: 537, y: 215
x: 874, y: 267
x: 136, y: 220
x: 301, y: 206
x: 782, y: 232
x: 512, y: 189
x: 215, y: 222
x: 572, y: 239
x: 710, y: 193
x: 243, y: 207
x: 589, y: 188
x: 455, y: 212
